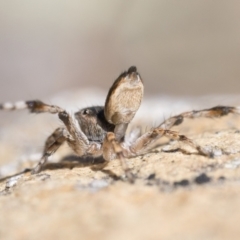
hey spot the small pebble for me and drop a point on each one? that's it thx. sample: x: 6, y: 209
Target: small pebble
x: 11, y: 182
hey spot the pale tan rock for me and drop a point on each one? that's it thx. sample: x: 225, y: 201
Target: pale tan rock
x: 70, y: 200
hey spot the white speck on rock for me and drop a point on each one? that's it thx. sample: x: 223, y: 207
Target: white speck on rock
x: 233, y: 164
x: 95, y: 185
x: 13, y: 181
x: 98, y: 184
x: 217, y: 152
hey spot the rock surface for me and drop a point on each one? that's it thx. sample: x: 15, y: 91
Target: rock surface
x: 176, y: 195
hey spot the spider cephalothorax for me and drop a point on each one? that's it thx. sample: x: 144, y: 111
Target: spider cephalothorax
x: 93, y: 123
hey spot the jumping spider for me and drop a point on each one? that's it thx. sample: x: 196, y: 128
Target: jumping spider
x: 100, y: 130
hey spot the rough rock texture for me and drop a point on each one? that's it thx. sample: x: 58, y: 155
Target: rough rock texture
x: 177, y: 194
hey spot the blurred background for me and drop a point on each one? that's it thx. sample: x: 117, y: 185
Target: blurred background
x: 181, y: 48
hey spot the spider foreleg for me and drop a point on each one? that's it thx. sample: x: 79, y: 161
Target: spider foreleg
x: 34, y: 106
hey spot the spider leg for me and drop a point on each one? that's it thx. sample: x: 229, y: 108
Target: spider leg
x: 112, y: 149
x: 148, y: 140
x: 53, y: 142
x: 215, y: 112
x: 35, y: 106
x: 58, y: 137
